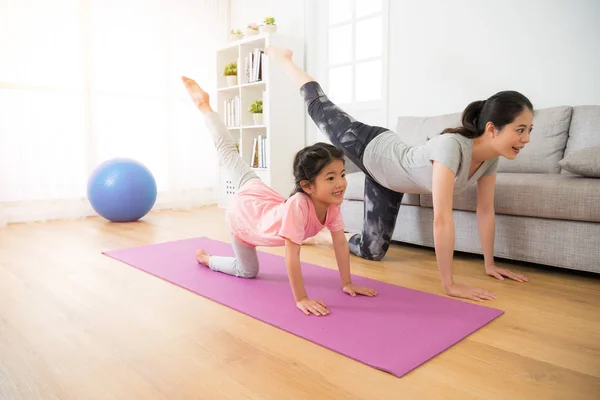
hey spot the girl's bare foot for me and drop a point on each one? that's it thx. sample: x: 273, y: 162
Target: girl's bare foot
x: 278, y: 54
x: 199, y: 96
x: 202, y: 257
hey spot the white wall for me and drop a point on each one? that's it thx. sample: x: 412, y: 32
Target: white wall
x: 445, y: 54
x: 291, y: 18
x: 289, y: 15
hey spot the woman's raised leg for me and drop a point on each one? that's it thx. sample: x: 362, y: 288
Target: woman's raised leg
x: 342, y: 130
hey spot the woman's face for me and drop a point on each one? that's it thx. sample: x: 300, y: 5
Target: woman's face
x: 511, y: 139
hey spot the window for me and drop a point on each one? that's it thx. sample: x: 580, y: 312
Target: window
x: 355, y: 52
x: 87, y: 80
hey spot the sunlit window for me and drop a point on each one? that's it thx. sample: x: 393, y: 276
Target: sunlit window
x: 355, y: 50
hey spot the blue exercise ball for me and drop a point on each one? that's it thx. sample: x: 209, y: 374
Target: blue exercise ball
x: 122, y: 190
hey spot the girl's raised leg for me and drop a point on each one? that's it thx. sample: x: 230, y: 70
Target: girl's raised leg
x: 239, y: 171
x: 245, y: 262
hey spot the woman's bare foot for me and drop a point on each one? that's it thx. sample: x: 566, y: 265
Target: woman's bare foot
x: 199, y: 96
x: 283, y: 58
x: 202, y: 257
x: 278, y: 54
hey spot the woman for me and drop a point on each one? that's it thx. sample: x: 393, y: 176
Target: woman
x: 446, y: 164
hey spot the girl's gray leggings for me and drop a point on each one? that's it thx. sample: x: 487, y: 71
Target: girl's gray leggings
x: 245, y: 262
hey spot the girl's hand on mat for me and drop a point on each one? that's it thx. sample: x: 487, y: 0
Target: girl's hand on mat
x: 309, y: 306
x: 500, y: 273
x: 467, y: 292
x: 353, y: 290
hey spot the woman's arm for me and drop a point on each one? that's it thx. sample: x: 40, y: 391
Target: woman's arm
x: 443, y: 222
x: 486, y: 221
x: 294, y: 270
x: 443, y: 232
x: 486, y: 218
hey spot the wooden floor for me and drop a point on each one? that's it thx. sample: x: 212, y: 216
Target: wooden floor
x: 75, y: 324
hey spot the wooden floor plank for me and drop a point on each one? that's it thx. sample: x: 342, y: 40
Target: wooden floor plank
x: 76, y: 324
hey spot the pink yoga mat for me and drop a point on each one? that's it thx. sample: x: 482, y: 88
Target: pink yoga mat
x: 396, y: 331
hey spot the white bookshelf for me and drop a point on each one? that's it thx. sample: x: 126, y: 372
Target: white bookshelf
x: 283, y: 121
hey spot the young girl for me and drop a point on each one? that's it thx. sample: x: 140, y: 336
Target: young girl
x: 259, y: 216
x: 446, y: 164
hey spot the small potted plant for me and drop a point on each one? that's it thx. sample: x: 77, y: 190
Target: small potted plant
x: 230, y: 73
x: 235, y: 34
x: 251, y: 29
x: 256, y: 108
x: 268, y: 25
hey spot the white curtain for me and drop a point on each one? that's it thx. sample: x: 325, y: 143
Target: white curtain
x: 82, y: 81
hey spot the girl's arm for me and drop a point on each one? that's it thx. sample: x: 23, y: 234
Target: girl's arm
x: 342, y: 256
x: 486, y: 221
x: 294, y: 270
x: 443, y: 232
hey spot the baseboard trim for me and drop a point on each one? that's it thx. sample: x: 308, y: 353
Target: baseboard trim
x: 79, y: 208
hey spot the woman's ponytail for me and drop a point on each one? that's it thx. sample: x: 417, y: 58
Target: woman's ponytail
x: 500, y: 109
x: 470, y: 121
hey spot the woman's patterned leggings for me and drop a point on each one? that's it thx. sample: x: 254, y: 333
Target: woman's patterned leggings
x: 381, y: 205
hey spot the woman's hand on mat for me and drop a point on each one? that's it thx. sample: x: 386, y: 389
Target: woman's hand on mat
x: 467, y: 292
x: 500, y: 273
x: 353, y: 290
x: 309, y: 306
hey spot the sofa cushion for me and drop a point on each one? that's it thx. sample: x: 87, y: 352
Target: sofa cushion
x: 556, y: 196
x: 585, y: 128
x: 416, y: 130
x: 356, y: 188
x: 547, y: 143
x: 585, y: 162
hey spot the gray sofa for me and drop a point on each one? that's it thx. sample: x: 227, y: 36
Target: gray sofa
x: 547, y: 201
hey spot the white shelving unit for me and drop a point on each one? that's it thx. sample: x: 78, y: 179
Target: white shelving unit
x: 282, y: 127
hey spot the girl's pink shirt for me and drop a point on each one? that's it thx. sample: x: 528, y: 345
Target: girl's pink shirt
x: 259, y: 216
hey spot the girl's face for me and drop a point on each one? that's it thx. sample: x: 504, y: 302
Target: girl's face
x: 509, y: 141
x: 330, y: 185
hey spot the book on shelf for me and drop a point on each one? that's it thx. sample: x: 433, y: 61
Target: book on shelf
x: 259, y: 152
x: 253, y: 66
x: 232, y: 112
